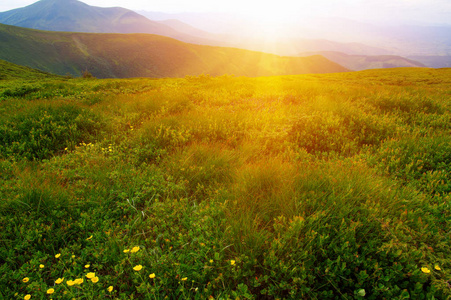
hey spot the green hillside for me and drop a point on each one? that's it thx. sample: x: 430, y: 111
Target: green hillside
x: 10, y: 71
x: 319, y: 186
x: 143, y: 55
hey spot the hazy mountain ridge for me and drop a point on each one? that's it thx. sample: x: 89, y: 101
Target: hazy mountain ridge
x: 143, y: 55
x: 434, y: 61
x: 407, y: 40
x: 364, y: 62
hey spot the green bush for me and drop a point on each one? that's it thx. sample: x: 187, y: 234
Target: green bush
x: 424, y: 162
x: 42, y: 131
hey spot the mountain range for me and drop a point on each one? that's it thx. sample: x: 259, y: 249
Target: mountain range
x: 143, y: 55
x: 76, y: 16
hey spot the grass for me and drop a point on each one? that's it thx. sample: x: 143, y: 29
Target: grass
x: 331, y: 186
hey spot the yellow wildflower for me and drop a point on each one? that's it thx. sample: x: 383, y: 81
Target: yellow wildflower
x: 73, y: 256
x: 137, y: 268
x: 232, y: 262
x: 70, y: 282
x: 152, y: 275
x: 126, y: 250
x: 425, y: 270
x: 437, y: 267
x: 26, y: 279
x: 50, y: 291
x: 110, y: 288
x: 59, y: 280
x: 58, y: 255
x: 91, y: 275
x: 211, y: 261
x: 87, y: 266
x: 134, y: 249
x: 95, y: 279
x: 27, y: 297
x: 41, y: 266
x: 78, y: 281
x: 184, y: 278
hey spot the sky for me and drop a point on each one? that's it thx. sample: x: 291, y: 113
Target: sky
x: 407, y: 11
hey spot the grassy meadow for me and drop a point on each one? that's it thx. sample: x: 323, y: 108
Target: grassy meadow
x: 328, y: 186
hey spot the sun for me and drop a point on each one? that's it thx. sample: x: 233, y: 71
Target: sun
x: 270, y: 15
x: 271, y: 21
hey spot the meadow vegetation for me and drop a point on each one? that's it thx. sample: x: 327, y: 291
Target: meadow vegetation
x: 331, y: 186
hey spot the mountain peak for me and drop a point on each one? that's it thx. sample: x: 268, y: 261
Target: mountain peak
x: 77, y: 16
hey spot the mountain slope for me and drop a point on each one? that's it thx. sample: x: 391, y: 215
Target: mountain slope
x: 143, y: 55
x: 364, y: 62
x: 12, y: 71
x: 76, y: 16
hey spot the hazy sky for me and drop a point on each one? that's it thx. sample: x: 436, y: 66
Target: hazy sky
x: 421, y: 11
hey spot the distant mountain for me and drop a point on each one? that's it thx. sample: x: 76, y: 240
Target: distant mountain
x: 143, y: 55
x: 434, y: 61
x: 363, y: 62
x: 237, y: 31
x: 187, y: 29
x: 12, y: 71
x: 76, y: 16
x: 379, y: 38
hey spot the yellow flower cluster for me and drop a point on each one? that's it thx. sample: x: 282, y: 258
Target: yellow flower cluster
x: 93, y: 277
x: 426, y: 270
x: 133, y: 250
x: 77, y: 281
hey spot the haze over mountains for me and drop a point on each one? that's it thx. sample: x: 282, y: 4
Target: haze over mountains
x: 428, y: 44
x: 354, y: 45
